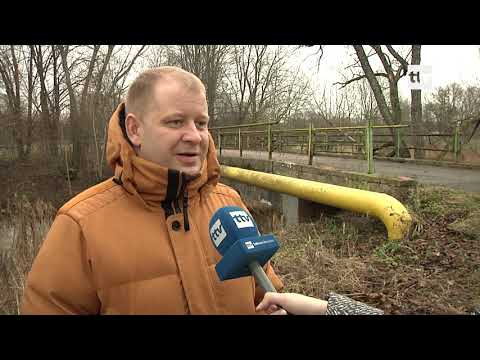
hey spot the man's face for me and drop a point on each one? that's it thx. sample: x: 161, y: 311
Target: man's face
x: 174, y: 132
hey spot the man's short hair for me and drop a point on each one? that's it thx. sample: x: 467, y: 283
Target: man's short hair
x: 140, y: 93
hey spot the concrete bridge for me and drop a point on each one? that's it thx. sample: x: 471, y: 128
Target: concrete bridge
x: 449, y: 174
x: 396, y: 178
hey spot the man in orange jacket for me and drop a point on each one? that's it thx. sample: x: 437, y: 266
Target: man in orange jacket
x: 139, y: 243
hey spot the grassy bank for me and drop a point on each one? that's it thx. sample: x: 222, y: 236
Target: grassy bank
x: 434, y: 272
x: 22, y: 230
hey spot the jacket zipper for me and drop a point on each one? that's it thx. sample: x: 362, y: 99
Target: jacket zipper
x: 176, y: 187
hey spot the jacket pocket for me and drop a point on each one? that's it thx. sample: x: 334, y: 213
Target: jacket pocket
x: 162, y: 295
x: 235, y: 296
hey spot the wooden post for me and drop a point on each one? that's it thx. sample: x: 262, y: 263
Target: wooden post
x: 219, y: 142
x: 397, y: 142
x: 456, y: 141
x: 371, y: 169
x: 310, y: 145
x: 240, y: 141
x: 269, y: 142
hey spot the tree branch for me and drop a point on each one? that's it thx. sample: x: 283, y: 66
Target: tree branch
x: 344, y: 84
x: 372, y: 80
x: 383, y: 59
x: 397, y: 56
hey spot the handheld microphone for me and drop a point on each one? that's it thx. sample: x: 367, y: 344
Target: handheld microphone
x: 235, y: 236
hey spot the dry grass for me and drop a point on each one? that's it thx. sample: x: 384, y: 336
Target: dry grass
x: 23, y: 227
x: 311, y: 260
x: 434, y: 272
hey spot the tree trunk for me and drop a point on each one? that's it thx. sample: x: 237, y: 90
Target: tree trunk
x: 397, y: 119
x: 95, y: 111
x: 372, y: 80
x: 29, y: 105
x: 390, y: 117
x: 74, y: 115
x: 46, y: 120
x: 416, y: 107
x: 55, y: 108
x: 86, y: 138
x: 19, y: 123
x: 21, y: 153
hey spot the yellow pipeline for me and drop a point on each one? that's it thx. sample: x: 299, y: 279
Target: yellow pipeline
x: 389, y: 210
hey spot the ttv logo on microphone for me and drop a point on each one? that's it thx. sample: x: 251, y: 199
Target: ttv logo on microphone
x: 249, y: 245
x: 241, y: 218
x: 217, y: 232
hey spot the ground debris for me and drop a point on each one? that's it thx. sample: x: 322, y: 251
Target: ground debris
x: 434, y: 272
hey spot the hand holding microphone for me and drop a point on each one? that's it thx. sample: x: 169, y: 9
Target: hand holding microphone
x: 235, y: 236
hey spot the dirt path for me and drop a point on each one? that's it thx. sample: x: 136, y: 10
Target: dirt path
x: 463, y: 179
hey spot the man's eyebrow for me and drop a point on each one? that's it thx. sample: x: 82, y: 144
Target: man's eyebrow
x: 181, y: 114
x: 173, y: 114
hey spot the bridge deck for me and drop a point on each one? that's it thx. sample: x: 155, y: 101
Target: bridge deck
x: 458, y: 178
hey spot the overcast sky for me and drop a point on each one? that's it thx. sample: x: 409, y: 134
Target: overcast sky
x: 450, y: 63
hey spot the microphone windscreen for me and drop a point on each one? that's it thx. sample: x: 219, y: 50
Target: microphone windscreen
x: 228, y: 225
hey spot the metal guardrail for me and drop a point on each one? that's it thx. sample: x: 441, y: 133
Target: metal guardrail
x: 364, y: 144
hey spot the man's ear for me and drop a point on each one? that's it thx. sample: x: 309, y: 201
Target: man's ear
x: 134, y: 128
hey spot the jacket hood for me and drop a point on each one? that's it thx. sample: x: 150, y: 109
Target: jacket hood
x: 149, y: 181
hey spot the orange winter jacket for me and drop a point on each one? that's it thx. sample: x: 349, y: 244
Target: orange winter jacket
x: 122, y: 247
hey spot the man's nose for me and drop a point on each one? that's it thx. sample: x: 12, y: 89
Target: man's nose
x: 191, y: 133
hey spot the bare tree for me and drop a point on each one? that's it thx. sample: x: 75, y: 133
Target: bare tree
x: 207, y: 63
x: 74, y: 110
x: 10, y: 73
x: 31, y: 81
x: 330, y: 108
x: 157, y: 55
x: 337, y: 109
x: 394, y: 68
x: 259, y: 84
x: 43, y: 58
x: 450, y: 104
x: 368, y: 105
x: 292, y: 93
x: 84, y: 97
x: 115, y: 63
x: 55, y: 100
x: 318, y: 53
x: 235, y: 86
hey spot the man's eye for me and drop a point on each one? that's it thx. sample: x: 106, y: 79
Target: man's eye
x: 177, y: 122
x: 202, y: 124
